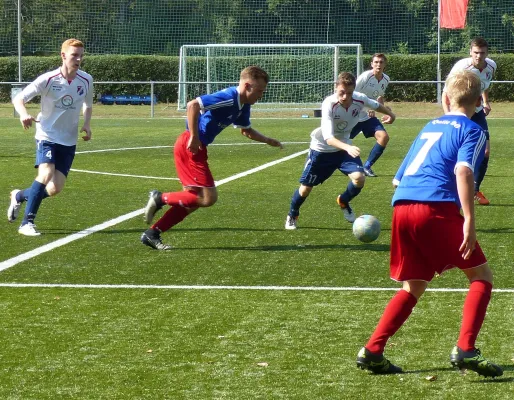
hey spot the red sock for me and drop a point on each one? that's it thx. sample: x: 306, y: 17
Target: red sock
x: 394, y: 316
x: 183, y: 199
x: 170, y: 218
x: 473, y: 314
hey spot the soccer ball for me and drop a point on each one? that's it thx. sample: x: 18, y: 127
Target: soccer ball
x: 366, y: 228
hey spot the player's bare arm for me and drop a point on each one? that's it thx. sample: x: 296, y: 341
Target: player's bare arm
x: 254, y: 134
x: 353, y: 151
x: 88, y: 112
x: 389, y: 115
x: 486, y: 104
x: 193, y: 114
x: 25, y: 118
x: 466, y: 191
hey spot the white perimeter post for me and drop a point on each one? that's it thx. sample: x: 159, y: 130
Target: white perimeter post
x: 336, y: 63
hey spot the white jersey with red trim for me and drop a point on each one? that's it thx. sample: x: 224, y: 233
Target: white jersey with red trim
x: 61, y: 103
x: 485, y: 74
x: 368, y: 84
x: 338, y: 121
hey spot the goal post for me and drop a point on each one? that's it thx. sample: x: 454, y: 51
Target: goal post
x: 301, y: 75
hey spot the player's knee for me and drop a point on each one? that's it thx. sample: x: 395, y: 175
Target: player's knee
x: 487, y: 152
x: 52, y: 189
x: 44, y: 176
x: 416, y: 288
x: 358, y: 180
x: 382, y: 138
x: 208, y: 200
x: 482, y: 273
x: 305, y: 190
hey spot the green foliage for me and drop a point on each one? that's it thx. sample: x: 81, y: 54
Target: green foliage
x: 162, y: 26
x: 400, y: 67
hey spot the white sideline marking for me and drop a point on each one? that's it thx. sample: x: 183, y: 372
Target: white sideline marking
x: 226, y: 287
x: 127, y: 175
x: 122, y: 149
x: 169, y: 147
x: 65, y: 240
x: 86, y: 232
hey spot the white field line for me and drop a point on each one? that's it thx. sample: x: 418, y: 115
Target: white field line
x: 126, y: 175
x: 169, y: 147
x: 227, y: 287
x: 86, y: 232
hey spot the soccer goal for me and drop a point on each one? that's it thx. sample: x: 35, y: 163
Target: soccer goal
x: 301, y: 75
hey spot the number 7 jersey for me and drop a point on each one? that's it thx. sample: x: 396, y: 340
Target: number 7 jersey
x: 428, y: 171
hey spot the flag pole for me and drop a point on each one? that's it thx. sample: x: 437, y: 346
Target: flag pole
x: 438, y: 51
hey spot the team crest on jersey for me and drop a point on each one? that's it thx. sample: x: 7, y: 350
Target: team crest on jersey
x: 355, y: 113
x: 67, y: 101
x: 341, y: 126
x: 80, y: 90
x: 488, y: 75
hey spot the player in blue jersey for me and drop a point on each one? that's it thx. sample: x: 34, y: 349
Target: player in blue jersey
x: 373, y: 83
x: 207, y: 116
x: 64, y: 93
x: 428, y: 233
x: 484, y: 68
x: 331, y: 148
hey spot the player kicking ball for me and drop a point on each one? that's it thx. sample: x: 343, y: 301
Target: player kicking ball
x: 331, y: 148
x: 428, y: 233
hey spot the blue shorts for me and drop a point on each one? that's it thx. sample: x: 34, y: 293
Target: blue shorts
x: 479, y: 118
x: 368, y: 128
x: 320, y: 166
x: 53, y: 153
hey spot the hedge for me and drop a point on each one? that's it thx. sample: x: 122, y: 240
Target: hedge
x: 162, y: 68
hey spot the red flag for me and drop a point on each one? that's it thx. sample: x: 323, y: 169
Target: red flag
x: 453, y: 13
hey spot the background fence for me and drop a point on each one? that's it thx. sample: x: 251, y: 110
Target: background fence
x: 162, y: 26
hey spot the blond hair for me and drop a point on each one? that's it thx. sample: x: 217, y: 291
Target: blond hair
x: 463, y: 88
x: 71, y: 43
x: 254, y: 73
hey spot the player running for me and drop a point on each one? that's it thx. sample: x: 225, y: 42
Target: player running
x: 207, y: 116
x: 484, y: 68
x: 63, y: 92
x: 373, y: 83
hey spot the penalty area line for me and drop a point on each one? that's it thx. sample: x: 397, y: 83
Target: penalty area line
x: 11, y: 262
x: 229, y: 287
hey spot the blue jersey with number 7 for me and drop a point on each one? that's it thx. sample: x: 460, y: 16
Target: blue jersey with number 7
x: 428, y: 171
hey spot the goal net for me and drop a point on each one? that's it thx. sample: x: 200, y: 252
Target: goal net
x: 300, y: 75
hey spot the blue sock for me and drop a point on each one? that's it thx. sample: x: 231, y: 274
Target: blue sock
x: 37, y: 191
x: 374, y: 155
x: 481, y: 173
x: 350, y: 192
x: 296, y: 203
x: 23, y: 195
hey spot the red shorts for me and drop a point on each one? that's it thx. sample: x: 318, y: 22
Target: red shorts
x: 192, y: 169
x: 425, y: 240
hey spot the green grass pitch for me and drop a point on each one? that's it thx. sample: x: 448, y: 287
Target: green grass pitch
x: 220, y: 316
